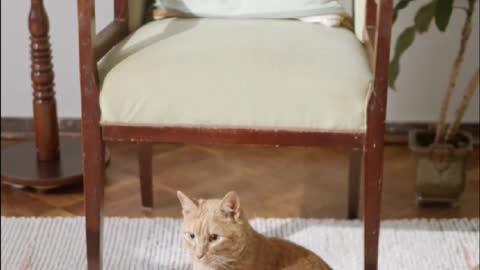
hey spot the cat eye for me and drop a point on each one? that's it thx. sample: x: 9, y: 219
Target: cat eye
x: 191, y: 235
x: 213, y: 237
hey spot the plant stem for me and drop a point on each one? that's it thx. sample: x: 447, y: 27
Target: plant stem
x: 469, y: 91
x: 441, y: 126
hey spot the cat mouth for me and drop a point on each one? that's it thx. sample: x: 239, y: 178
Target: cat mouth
x: 210, y: 262
x: 203, y: 260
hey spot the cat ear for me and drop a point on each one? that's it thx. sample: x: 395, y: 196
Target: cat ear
x: 188, y: 205
x: 230, y: 205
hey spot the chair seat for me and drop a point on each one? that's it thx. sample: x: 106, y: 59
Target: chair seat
x: 260, y: 74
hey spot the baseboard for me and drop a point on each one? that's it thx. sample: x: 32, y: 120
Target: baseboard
x: 396, y: 133
x: 20, y: 128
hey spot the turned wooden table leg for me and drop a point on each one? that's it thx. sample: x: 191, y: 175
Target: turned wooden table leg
x: 49, y: 162
x: 44, y: 104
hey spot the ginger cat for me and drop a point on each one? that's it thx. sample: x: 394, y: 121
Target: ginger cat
x: 218, y: 237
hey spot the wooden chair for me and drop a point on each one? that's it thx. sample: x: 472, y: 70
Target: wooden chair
x: 373, y: 26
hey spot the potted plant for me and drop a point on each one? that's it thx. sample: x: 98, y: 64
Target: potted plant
x: 439, y: 154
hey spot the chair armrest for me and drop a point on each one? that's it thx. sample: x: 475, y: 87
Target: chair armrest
x: 86, y: 39
x: 378, y: 44
x: 377, y: 34
x: 109, y: 37
x: 96, y: 46
x: 380, y: 36
x: 89, y: 88
x: 91, y: 48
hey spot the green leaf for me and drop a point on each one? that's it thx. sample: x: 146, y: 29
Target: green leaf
x: 404, y: 41
x: 443, y: 13
x: 399, y: 6
x: 394, y: 71
x: 424, y: 16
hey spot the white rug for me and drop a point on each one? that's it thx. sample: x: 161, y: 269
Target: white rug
x: 58, y: 243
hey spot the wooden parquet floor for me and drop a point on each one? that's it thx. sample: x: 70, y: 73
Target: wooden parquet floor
x: 272, y: 182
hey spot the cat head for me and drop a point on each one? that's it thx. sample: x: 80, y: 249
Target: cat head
x: 215, y: 232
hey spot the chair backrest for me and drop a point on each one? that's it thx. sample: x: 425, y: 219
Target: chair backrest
x: 137, y: 9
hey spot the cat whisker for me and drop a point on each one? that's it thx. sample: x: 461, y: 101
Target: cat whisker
x: 224, y: 262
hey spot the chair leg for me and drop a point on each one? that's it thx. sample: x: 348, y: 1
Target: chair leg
x: 373, y: 178
x: 354, y: 175
x: 93, y: 181
x: 145, y: 168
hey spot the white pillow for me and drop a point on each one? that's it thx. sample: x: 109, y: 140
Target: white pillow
x: 265, y: 9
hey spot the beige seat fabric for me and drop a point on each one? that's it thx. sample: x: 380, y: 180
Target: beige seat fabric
x: 273, y: 74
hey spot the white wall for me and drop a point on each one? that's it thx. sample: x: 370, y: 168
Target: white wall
x: 16, y: 84
x: 425, y: 67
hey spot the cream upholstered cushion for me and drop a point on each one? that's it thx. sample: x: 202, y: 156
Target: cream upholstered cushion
x: 273, y: 74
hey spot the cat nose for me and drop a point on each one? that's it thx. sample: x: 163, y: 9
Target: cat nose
x: 200, y: 255
x: 200, y: 252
